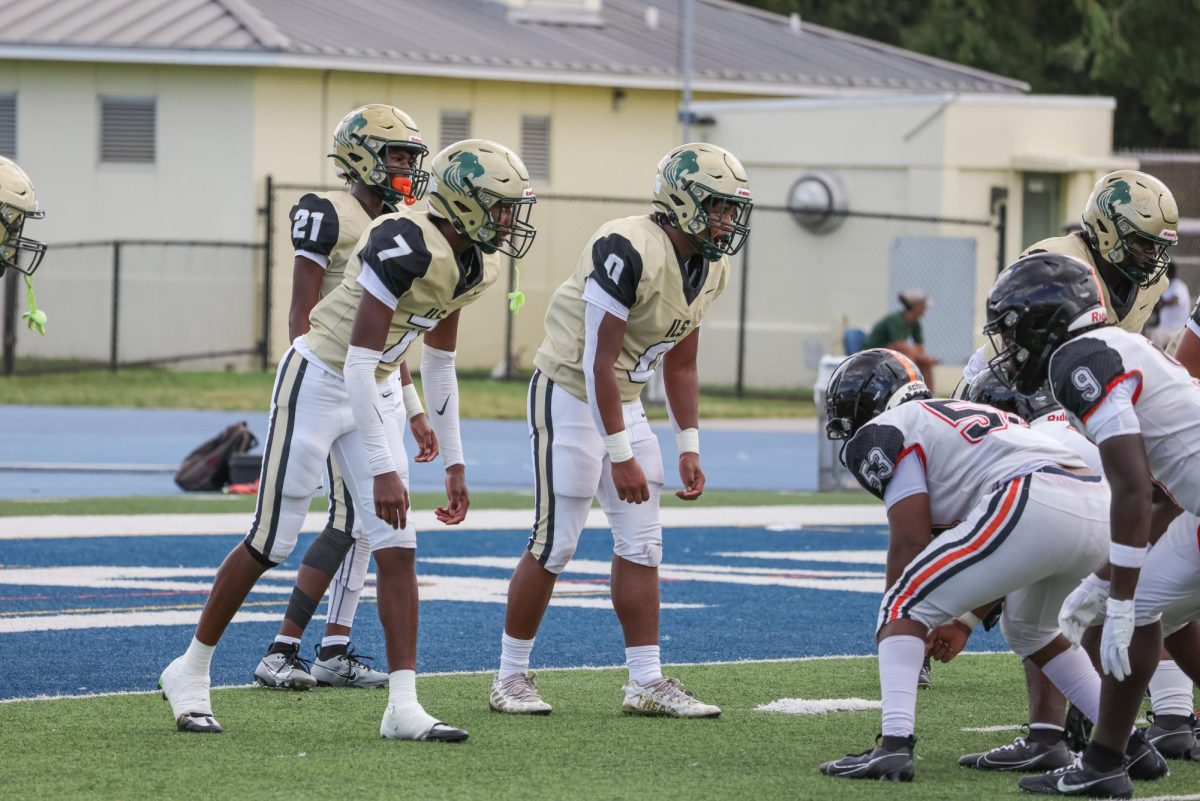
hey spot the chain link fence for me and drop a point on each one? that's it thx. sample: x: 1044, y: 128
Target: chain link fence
x: 138, y: 302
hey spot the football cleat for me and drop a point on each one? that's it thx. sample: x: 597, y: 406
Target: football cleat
x: 518, y: 695
x: 346, y: 670
x: 284, y: 670
x: 890, y: 760
x: 1021, y: 754
x: 1080, y: 779
x: 1078, y: 729
x: 665, y: 697
x: 189, y: 697
x: 1143, y: 761
x: 925, y: 677
x: 1174, y: 736
x: 396, y: 726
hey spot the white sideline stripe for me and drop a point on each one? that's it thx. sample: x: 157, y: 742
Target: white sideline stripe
x: 818, y: 706
x: 491, y: 672
x: 88, y: 467
x: 62, y: 526
x: 1193, y: 797
x: 990, y: 729
x: 878, y: 557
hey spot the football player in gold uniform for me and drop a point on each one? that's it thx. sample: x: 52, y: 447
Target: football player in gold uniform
x: 378, y: 151
x: 635, y: 300
x: 411, y: 274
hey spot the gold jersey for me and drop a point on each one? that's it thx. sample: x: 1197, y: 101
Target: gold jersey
x: 404, y: 261
x: 633, y: 262
x: 325, y: 228
x: 1130, y: 312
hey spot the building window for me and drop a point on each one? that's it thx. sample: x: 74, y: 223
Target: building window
x: 8, y: 125
x: 535, y: 147
x: 455, y: 127
x: 1041, y: 207
x: 127, y: 130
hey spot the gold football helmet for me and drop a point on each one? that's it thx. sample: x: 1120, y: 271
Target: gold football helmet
x: 18, y: 203
x: 703, y: 191
x: 1130, y: 220
x: 483, y: 189
x: 360, y: 144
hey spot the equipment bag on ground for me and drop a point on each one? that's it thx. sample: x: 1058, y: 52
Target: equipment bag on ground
x: 207, y: 467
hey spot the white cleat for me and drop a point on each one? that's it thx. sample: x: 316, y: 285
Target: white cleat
x: 518, y: 695
x: 415, y: 724
x: 189, y: 698
x: 666, y: 698
x: 285, y: 670
x: 347, y: 670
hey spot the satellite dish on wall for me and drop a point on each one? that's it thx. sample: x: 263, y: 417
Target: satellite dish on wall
x: 817, y: 201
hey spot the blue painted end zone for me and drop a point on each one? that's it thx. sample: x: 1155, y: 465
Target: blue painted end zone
x: 741, y: 610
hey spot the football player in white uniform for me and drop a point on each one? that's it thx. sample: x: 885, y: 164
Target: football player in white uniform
x: 1140, y: 407
x: 635, y: 299
x: 411, y: 275
x: 1022, y: 518
x: 378, y: 151
x: 18, y: 204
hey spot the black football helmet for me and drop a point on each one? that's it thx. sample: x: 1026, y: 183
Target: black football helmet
x: 866, y: 385
x: 992, y: 390
x: 1038, y: 303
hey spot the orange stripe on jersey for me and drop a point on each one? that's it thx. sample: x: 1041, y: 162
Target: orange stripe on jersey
x: 1002, y: 517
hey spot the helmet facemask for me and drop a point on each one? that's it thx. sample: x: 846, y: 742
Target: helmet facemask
x: 713, y: 232
x: 19, y: 252
x: 1140, y: 257
x: 396, y: 185
x: 513, y: 238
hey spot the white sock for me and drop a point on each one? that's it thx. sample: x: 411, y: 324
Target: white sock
x: 1170, y: 690
x: 330, y: 640
x: 198, y: 657
x: 900, y: 659
x: 1046, y: 727
x: 514, y: 656
x: 283, y: 638
x: 643, y: 662
x: 409, y: 721
x: 1076, y: 678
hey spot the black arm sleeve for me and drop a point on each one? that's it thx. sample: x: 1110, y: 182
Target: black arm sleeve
x: 395, y: 251
x: 1082, y: 372
x: 315, y: 225
x: 617, y: 268
x: 872, y: 456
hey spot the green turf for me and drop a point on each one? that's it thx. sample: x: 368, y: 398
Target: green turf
x: 215, y: 503
x: 325, y: 743
x: 480, y: 396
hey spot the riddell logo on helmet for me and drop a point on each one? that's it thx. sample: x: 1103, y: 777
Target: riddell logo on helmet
x: 1168, y: 233
x: 740, y: 192
x: 1099, y: 316
x: 528, y: 192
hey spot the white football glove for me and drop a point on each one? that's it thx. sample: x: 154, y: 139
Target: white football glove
x: 1081, y: 607
x: 1114, y: 642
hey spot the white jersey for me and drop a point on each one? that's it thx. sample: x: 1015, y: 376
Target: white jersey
x: 967, y: 450
x: 1057, y: 426
x: 1166, y: 401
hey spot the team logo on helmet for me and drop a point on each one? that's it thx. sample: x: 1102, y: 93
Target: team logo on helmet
x: 1117, y: 192
x: 684, y: 163
x: 344, y: 133
x: 463, y: 167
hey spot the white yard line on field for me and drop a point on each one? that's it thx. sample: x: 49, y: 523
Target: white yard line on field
x: 785, y: 518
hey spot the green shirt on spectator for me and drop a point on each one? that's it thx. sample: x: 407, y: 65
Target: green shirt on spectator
x: 894, y: 328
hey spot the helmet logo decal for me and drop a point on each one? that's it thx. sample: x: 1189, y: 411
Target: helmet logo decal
x: 350, y: 127
x: 463, y: 167
x: 684, y: 163
x: 876, y: 469
x: 1117, y: 192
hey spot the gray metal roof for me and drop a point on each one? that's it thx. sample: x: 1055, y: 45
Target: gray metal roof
x: 737, y: 49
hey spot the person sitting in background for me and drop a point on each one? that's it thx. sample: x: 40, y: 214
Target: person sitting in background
x: 901, y: 331
x: 1172, y: 310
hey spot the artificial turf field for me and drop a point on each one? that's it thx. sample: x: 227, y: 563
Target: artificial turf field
x: 86, y: 614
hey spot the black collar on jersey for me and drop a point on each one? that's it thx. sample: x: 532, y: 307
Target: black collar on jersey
x: 470, y: 270
x: 694, y: 275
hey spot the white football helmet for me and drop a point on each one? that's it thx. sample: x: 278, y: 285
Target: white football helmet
x: 18, y: 203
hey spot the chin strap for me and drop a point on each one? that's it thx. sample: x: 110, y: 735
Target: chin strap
x: 35, y: 317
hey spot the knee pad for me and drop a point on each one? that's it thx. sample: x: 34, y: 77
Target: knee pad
x: 327, y: 551
x: 648, y: 554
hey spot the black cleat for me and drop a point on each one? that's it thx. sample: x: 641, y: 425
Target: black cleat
x: 1143, y: 761
x: 442, y: 733
x: 1173, y: 735
x: 925, y: 677
x: 890, y: 760
x: 1021, y: 754
x: 1078, y: 728
x: 198, y: 722
x: 1080, y: 779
